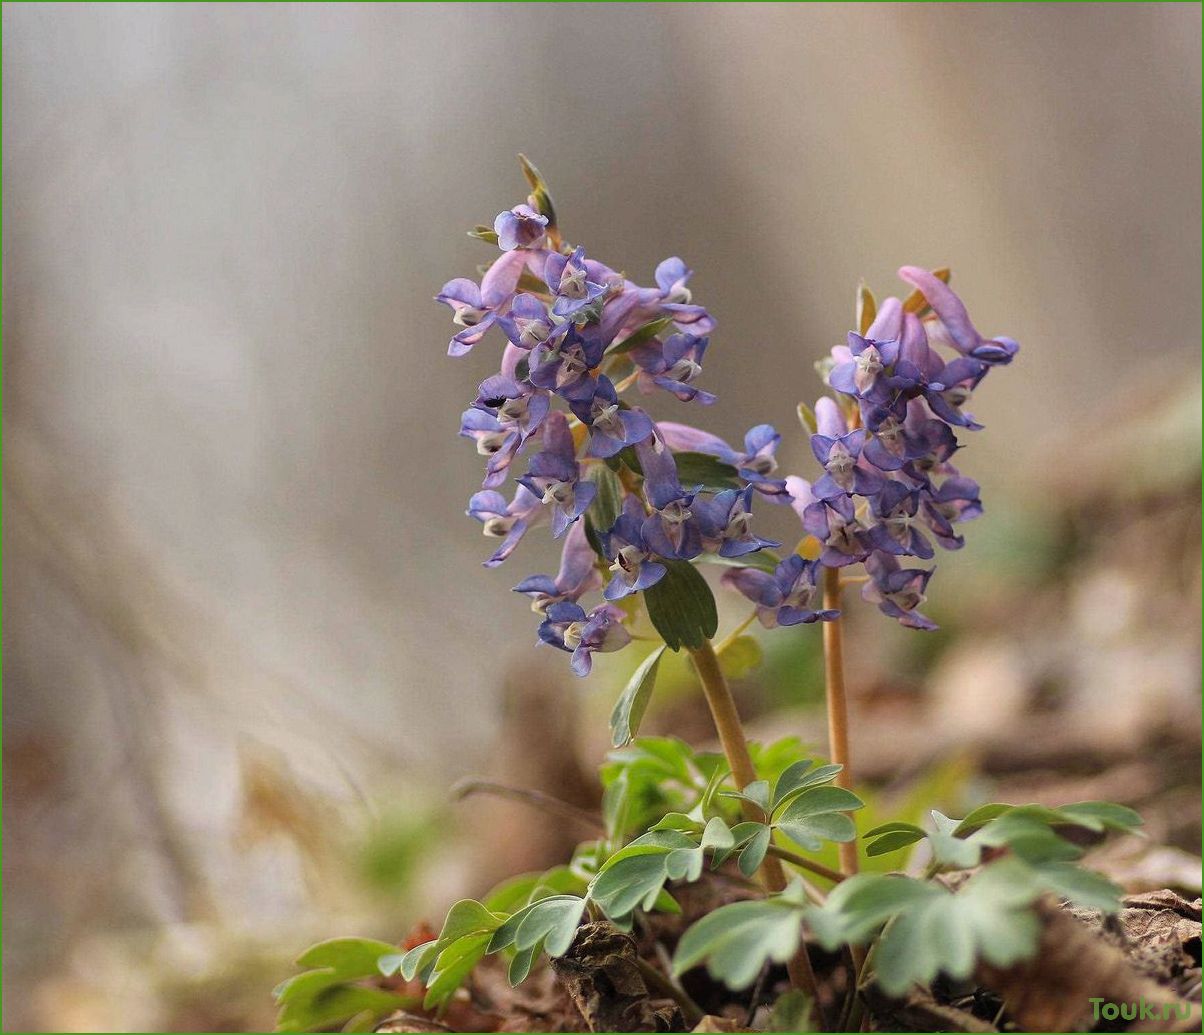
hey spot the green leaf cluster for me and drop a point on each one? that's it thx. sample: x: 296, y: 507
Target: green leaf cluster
x: 329, y: 991
x: 923, y: 927
x: 1032, y: 832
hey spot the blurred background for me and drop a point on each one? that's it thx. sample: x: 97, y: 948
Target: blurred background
x: 248, y: 642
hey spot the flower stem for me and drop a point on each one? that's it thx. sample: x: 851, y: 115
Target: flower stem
x: 838, y: 708
x: 803, y: 863
x: 735, y: 747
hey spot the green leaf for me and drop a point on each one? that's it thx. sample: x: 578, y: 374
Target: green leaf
x: 335, y: 1005
x: 682, y: 607
x: 684, y: 864
x: 717, y: 835
x: 418, y: 961
x: 633, y: 701
x: 677, y: 821
x: 753, y: 853
x: 1026, y: 835
x: 740, y: 656
x: 605, y: 507
x: 947, y: 848
x: 706, y: 470
x: 859, y: 905
x: 346, y: 957
x: 551, y: 922
x: 890, y: 837
x: 799, y: 776
x: 755, y: 793
x: 742, y: 833
x: 323, y: 997
x: 737, y: 940
x: 639, y: 336
x: 980, y: 817
x: 483, y: 233
x: 520, y: 965
x: 634, y: 881
x: 467, y: 917
x: 806, y: 417
x: 1085, y: 888
x: 817, y: 815
x: 988, y: 919
x: 454, y: 964
x: 1101, y: 815
x: 390, y: 963
x: 892, y: 841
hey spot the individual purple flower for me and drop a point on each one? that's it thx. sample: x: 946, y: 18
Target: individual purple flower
x: 788, y: 596
x: 528, y: 323
x: 554, y: 476
x: 516, y: 404
x: 568, y: 279
x: 866, y: 367
x: 951, y: 390
x: 725, y: 521
x: 754, y: 464
x: 932, y: 439
x: 675, y: 299
x: 520, y: 227
x: 506, y: 521
x: 577, y: 576
x: 671, y: 530
x: 475, y: 307
x: 894, y: 529
x: 891, y: 445
x: 611, y: 427
x: 833, y: 522
x: 634, y: 565
x: 843, y: 472
x: 565, y: 366
x: 494, y: 440
x: 955, y: 321
x: 504, y: 415
x: 956, y: 500
x: 897, y: 591
x: 570, y: 628
x: 673, y: 365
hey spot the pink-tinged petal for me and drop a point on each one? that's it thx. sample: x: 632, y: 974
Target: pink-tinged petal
x: 888, y: 324
x: 511, y: 355
x: 829, y: 420
x: 800, y: 494
x: 684, y: 438
x: 460, y: 293
x: 501, y: 278
x: 578, y: 573
x: 557, y: 438
x: 914, y: 348
x: 946, y: 305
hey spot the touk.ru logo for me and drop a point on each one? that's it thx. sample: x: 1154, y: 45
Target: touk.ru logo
x: 1140, y: 1010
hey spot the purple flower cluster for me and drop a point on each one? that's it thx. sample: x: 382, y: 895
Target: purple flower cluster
x: 577, y: 337
x: 888, y: 489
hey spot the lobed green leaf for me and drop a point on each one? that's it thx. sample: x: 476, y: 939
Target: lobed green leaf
x: 629, y: 710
